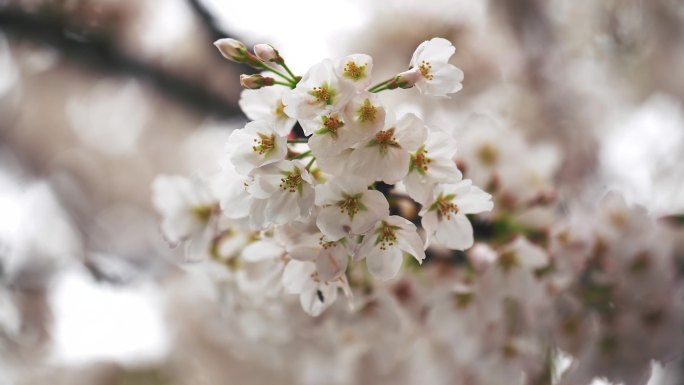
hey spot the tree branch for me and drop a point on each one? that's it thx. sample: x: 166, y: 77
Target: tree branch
x: 99, y: 51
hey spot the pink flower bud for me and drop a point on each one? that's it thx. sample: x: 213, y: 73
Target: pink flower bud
x: 254, y: 82
x: 408, y: 78
x: 232, y: 49
x: 265, y: 52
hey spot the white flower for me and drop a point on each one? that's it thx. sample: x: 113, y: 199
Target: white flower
x: 255, y: 145
x: 444, y: 217
x: 188, y: 209
x: 331, y: 257
x: 355, y: 69
x: 386, y: 157
x: 439, y: 78
x: 348, y: 207
x: 334, y: 132
x: 235, y: 201
x: 383, y: 248
x: 330, y: 134
x: 267, y: 104
x: 320, y: 90
x: 365, y: 114
x: 522, y: 254
x: 185, y: 204
x: 432, y: 163
x: 283, y: 192
x: 315, y: 294
x: 485, y: 146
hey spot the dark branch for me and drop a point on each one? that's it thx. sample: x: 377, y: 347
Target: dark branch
x: 99, y: 51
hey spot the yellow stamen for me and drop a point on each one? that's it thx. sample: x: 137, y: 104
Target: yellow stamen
x: 425, y: 68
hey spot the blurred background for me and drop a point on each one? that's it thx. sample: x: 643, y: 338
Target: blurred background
x: 97, y: 97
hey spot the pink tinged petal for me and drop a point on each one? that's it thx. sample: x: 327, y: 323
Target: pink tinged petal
x: 418, y: 187
x: 327, y: 193
x: 306, y: 201
x: 410, y: 242
x: 458, y: 189
x: 376, y: 207
x: 410, y: 132
x: 178, y: 227
x: 530, y: 255
x: 446, y: 80
x: 396, y: 165
x: 326, y: 145
x: 366, y: 246
x: 434, y: 50
x: 384, y: 264
x: 332, y: 223
x: 474, y: 202
x: 445, y: 171
x: 264, y: 185
x: 336, y: 164
x: 257, y: 216
x: 297, y: 275
x: 372, y: 163
x: 455, y: 233
x: 332, y: 262
x: 440, y: 144
x: 351, y: 184
x: 236, y: 205
x: 315, y: 301
x: 283, y: 207
x: 262, y: 251
x: 429, y: 222
x: 197, y: 247
x: 306, y: 249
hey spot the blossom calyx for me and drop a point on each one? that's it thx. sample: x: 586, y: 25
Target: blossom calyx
x: 406, y: 79
x: 266, y: 53
x: 256, y: 81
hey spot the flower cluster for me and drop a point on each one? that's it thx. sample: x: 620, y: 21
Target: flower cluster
x: 327, y: 176
x: 317, y: 175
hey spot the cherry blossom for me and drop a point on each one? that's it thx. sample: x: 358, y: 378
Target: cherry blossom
x: 383, y: 247
x: 386, y: 156
x: 255, y: 145
x: 433, y: 162
x: 439, y: 78
x: 267, y: 104
x: 348, y: 207
x: 444, y: 217
x: 320, y: 90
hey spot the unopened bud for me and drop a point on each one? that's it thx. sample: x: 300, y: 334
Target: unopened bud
x: 232, y: 49
x: 254, y: 82
x: 407, y: 79
x: 267, y: 53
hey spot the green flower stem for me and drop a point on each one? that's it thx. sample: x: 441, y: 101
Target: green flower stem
x: 303, y: 155
x: 290, y: 82
x: 294, y: 77
x: 308, y: 165
x: 384, y: 83
x: 382, y: 88
x: 283, y: 83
